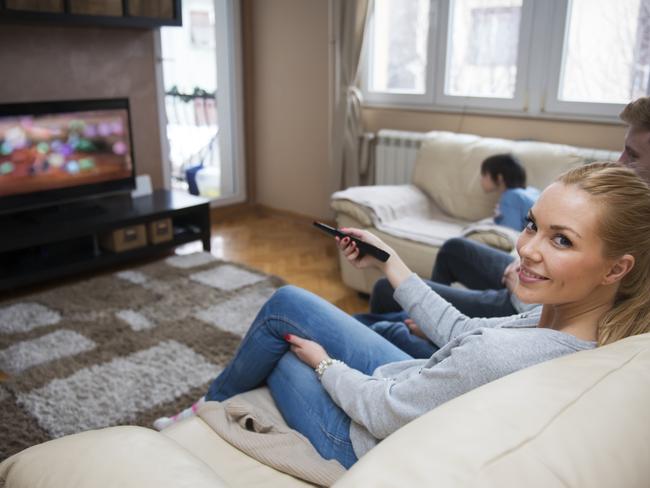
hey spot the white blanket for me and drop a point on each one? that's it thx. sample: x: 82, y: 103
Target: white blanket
x: 404, y: 211
x: 407, y: 212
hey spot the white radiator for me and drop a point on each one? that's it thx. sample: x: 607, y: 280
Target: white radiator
x: 395, y: 153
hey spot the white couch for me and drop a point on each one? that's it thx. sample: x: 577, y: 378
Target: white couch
x: 582, y: 420
x: 445, y: 197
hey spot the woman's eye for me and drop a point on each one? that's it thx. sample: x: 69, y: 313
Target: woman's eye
x: 530, y: 225
x: 562, y: 241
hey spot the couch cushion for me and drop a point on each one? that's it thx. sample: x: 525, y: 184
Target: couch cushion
x: 113, y: 457
x: 448, y: 166
x: 580, y: 420
x: 447, y: 169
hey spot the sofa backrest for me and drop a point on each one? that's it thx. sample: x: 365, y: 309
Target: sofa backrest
x: 448, y: 168
x: 580, y: 420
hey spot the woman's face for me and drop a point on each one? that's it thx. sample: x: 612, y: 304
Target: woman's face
x: 561, y: 252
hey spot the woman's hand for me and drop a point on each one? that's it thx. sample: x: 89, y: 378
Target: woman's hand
x: 309, y: 352
x: 394, y: 269
x: 351, y: 251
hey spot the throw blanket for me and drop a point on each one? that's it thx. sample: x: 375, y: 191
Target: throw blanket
x: 495, y: 235
x: 407, y: 212
x: 252, y: 423
x: 404, y: 211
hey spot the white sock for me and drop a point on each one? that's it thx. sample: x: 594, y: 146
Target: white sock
x: 164, y: 422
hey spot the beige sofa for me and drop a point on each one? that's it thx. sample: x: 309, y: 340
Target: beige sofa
x: 578, y: 421
x: 445, y: 198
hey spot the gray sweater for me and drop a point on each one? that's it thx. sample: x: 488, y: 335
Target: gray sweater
x: 473, y: 352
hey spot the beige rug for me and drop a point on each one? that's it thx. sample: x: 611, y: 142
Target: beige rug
x: 121, y: 348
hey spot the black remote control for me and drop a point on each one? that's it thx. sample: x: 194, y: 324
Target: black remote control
x: 364, y: 247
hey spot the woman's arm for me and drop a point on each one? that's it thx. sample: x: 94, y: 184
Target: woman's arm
x: 383, y: 405
x: 438, y: 319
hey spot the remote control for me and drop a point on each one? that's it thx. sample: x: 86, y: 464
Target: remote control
x: 364, y: 247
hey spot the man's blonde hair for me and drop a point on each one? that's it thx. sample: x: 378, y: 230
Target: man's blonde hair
x: 637, y: 113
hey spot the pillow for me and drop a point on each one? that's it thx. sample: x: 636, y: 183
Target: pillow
x: 545, y: 161
x: 447, y: 168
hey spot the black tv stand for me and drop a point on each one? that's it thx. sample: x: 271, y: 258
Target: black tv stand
x: 67, y: 211
x: 39, y: 245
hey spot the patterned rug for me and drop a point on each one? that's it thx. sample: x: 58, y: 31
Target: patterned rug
x: 121, y: 348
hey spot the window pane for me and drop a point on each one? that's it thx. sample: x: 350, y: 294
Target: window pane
x: 482, y: 49
x: 398, y: 49
x: 607, y: 51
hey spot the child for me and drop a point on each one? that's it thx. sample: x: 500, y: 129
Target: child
x: 505, y: 174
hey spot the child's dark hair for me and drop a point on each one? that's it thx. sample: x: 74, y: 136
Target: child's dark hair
x: 508, y: 166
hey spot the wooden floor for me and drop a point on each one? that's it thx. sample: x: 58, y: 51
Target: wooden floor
x: 286, y: 246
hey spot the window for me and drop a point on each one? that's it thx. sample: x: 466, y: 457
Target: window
x: 576, y: 58
x: 482, y: 48
x: 399, y: 37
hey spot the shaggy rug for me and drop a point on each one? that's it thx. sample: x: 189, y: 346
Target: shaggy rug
x: 121, y: 348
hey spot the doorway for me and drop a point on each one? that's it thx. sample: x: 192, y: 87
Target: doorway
x: 200, y: 100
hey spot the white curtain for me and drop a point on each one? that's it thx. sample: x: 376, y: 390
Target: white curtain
x: 349, y: 154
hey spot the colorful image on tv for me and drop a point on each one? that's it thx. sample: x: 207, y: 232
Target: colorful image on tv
x: 52, y: 151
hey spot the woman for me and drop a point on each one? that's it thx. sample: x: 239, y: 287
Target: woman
x: 578, y: 259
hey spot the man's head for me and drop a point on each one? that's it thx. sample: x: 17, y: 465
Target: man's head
x: 636, y: 152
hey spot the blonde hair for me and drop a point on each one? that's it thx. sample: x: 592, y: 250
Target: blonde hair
x: 637, y: 113
x: 624, y: 227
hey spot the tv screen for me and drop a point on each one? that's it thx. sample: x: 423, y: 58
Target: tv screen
x: 59, y: 151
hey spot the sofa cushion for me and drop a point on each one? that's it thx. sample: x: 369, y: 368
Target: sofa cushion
x: 447, y: 169
x: 448, y: 166
x: 580, y: 420
x: 113, y: 457
x: 232, y: 465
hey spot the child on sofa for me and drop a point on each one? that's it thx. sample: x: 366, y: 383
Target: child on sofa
x: 504, y: 174
x: 583, y: 256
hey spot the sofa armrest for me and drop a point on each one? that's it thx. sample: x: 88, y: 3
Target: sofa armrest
x: 122, y: 457
x: 580, y: 420
x: 354, y: 211
x: 380, y: 203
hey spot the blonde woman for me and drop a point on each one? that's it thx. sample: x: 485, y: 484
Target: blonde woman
x: 584, y: 256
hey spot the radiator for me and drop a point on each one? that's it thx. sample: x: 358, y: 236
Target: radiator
x: 395, y: 153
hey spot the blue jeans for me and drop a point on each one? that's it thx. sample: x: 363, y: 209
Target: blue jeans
x: 391, y: 326
x: 471, y: 263
x: 264, y: 357
x: 477, y: 266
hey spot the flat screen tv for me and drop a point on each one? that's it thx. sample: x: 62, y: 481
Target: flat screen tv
x: 56, y: 152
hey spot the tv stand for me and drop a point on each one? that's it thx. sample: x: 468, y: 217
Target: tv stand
x: 39, y: 245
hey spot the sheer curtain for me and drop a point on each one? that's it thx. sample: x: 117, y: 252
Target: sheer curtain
x: 349, y: 147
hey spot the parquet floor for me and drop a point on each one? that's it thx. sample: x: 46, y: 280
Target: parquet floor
x: 288, y: 247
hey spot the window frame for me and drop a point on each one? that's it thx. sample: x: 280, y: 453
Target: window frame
x: 518, y: 101
x: 394, y: 98
x: 539, y: 68
x: 560, y: 23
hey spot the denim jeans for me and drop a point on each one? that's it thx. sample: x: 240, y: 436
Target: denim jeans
x: 477, y: 266
x: 264, y: 357
x: 391, y: 326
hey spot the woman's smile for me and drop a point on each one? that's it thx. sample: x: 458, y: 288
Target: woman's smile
x: 528, y: 276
